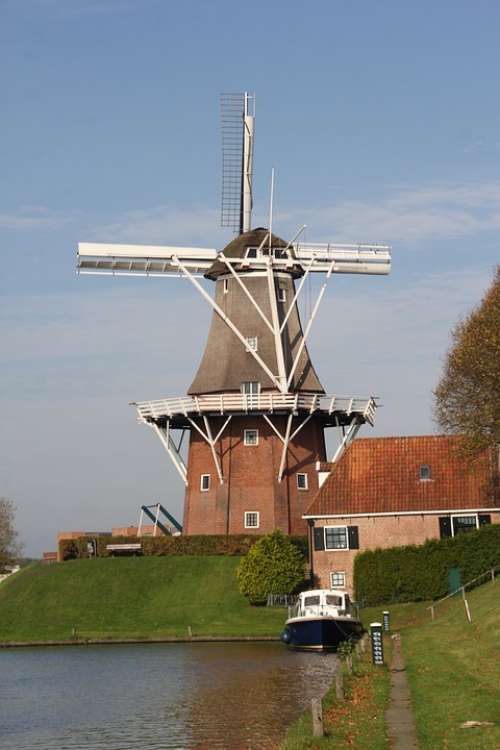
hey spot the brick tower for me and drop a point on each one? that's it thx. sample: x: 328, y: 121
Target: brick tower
x: 256, y: 411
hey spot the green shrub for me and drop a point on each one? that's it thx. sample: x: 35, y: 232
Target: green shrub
x: 161, y: 546
x: 417, y: 573
x: 274, y: 565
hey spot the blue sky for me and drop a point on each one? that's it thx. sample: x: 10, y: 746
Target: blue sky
x: 382, y: 122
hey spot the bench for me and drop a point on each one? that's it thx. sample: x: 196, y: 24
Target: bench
x: 124, y: 549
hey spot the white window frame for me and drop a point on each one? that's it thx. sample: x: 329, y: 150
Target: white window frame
x: 281, y: 294
x: 337, y: 573
x: 225, y: 285
x: 257, y: 516
x: 250, y: 253
x: 245, y: 438
x: 253, y: 392
x: 306, y: 478
x: 336, y: 549
x: 249, y: 347
x: 464, y: 515
x: 424, y: 479
x: 202, y: 477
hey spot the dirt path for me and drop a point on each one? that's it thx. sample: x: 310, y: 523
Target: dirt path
x: 399, y: 716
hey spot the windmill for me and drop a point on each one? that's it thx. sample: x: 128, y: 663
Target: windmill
x: 256, y: 412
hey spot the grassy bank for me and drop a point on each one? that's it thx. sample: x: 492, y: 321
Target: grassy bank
x: 358, y: 722
x: 150, y: 597
x: 453, y: 668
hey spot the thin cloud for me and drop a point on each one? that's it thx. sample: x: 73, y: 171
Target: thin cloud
x: 34, y: 217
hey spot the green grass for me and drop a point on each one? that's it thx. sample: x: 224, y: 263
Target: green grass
x: 358, y: 722
x: 149, y: 597
x: 453, y: 668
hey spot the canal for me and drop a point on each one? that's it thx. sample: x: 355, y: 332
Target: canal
x: 221, y: 696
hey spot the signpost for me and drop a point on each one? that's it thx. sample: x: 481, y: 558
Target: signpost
x: 386, y: 619
x: 377, y: 643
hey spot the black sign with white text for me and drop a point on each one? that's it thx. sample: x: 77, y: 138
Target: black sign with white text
x: 377, y: 643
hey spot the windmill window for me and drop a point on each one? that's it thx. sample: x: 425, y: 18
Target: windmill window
x: 226, y: 284
x: 251, y: 437
x: 252, y: 520
x: 205, y: 482
x: 281, y: 294
x: 337, y: 579
x: 252, y: 343
x: 251, y: 252
x: 425, y: 473
x: 302, y: 483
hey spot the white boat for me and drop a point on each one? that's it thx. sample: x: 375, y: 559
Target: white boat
x: 320, y: 620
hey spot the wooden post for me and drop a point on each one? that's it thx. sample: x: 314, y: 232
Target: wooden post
x: 432, y: 613
x: 467, y: 610
x: 339, y: 684
x: 348, y: 662
x: 317, y: 717
x: 493, y: 575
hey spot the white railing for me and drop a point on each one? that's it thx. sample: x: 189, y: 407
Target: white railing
x: 225, y: 403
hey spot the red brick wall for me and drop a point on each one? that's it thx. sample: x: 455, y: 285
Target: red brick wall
x: 381, y: 531
x: 250, y: 478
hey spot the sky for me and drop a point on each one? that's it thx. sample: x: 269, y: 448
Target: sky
x: 382, y: 122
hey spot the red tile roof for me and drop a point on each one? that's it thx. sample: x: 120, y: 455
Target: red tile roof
x: 380, y: 475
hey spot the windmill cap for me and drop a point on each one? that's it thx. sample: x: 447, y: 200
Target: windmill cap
x: 238, y: 247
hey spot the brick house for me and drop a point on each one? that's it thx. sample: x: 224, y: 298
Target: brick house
x: 393, y: 491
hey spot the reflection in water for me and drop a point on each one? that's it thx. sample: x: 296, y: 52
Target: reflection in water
x: 155, y: 697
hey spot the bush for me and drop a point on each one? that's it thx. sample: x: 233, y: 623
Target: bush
x: 274, y: 565
x: 417, y: 573
x: 206, y: 544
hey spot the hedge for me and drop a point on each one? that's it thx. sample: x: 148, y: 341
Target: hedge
x: 418, y: 573
x: 203, y: 544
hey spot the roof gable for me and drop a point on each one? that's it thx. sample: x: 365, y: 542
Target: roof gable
x: 381, y: 475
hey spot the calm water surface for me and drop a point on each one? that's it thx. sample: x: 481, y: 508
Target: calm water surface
x: 155, y: 697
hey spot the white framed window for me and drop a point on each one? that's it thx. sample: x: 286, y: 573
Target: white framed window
x: 281, y: 294
x: 205, y: 482
x: 252, y: 519
x: 336, y: 537
x: 226, y: 285
x: 424, y: 473
x: 252, y: 343
x: 250, y: 387
x: 302, y: 482
x: 464, y: 524
x: 251, y: 437
x: 337, y: 579
x: 251, y: 252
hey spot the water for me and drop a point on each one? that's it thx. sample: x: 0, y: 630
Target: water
x: 156, y: 697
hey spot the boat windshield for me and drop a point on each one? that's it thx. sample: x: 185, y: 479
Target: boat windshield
x: 310, y: 601
x: 335, y: 601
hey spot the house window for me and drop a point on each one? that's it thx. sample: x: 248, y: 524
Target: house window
x: 337, y: 579
x: 302, y: 482
x: 226, y: 284
x: 425, y: 473
x: 251, y: 437
x: 205, y: 482
x: 252, y: 342
x: 281, y: 294
x: 336, y: 537
x: 251, y: 519
x: 464, y: 524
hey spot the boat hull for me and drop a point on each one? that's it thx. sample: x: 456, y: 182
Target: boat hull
x: 320, y: 633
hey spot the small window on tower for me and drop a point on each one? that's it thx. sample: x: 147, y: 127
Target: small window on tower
x: 205, y: 482
x: 252, y: 519
x: 251, y: 437
x: 226, y: 284
x: 425, y: 473
x: 302, y: 482
x: 281, y: 294
x: 251, y: 252
x: 251, y: 343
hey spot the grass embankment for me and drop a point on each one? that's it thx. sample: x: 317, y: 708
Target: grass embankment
x: 150, y: 597
x: 357, y: 722
x: 453, y: 668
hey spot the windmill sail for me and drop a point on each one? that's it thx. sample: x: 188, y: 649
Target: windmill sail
x: 237, y: 125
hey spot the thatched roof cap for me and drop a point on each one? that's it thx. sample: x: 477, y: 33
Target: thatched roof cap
x: 238, y: 247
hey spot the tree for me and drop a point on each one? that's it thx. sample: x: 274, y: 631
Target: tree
x: 9, y: 545
x: 272, y: 566
x: 467, y: 398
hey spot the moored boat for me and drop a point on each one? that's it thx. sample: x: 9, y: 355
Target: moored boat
x: 320, y: 620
